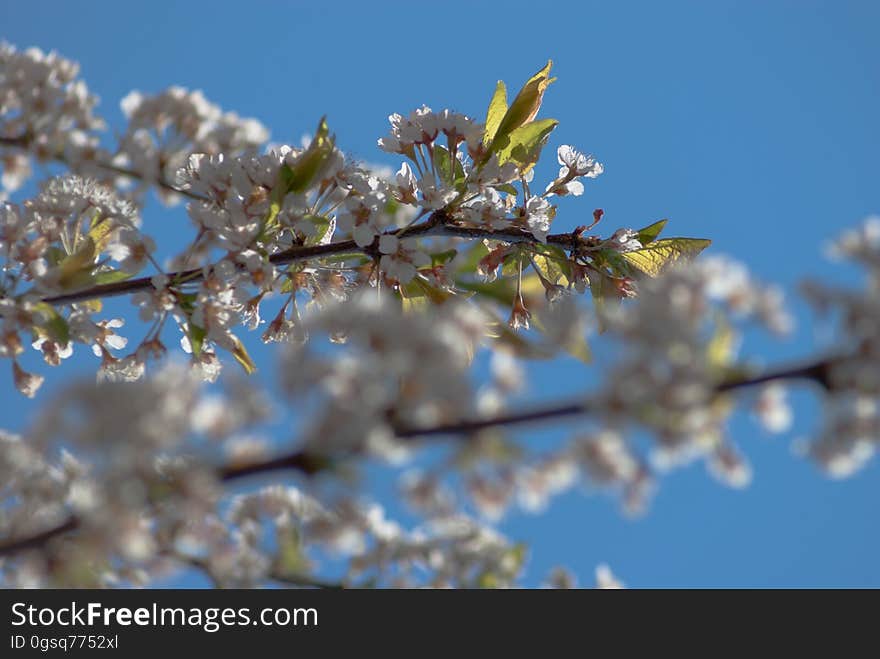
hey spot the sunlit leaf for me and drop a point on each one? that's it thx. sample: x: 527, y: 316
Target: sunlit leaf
x: 442, y: 258
x: 496, y: 112
x: 299, y: 176
x: 553, y: 263
x: 421, y: 287
x: 196, y: 336
x: 508, y: 188
x: 472, y: 257
x: 101, y: 232
x: 75, y: 269
x: 110, y: 276
x: 308, y: 165
x: 501, y: 290
x: 721, y: 349
x: 449, y: 167
x: 526, y: 104
x: 290, y: 559
x: 650, y: 232
x: 657, y: 255
x: 242, y: 357
x: 523, y: 145
x: 55, y: 324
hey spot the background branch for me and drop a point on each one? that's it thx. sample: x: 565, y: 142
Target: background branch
x: 23, y: 142
x: 309, y: 463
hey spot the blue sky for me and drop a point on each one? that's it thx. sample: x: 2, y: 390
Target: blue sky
x: 750, y: 123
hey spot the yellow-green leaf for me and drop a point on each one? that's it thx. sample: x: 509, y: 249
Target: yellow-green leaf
x: 578, y: 348
x: 649, y: 233
x: 299, y: 176
x: 517, y: 342
x: 420, y: 287
x: 442, y: 258
x: 721, y: 349
x: 653, y: 258
x: 309, y: 164
x: 100, y: 233
x: 501, y: 290
x: 110, y: 276
x: 496, y: 112
x: 449, y: 167
x: 290, y: 558
x: 55, y: 324
x: 523, y: 145
x: 74, y: 267
x: 242, y: 357
x: 527, y: 102
x: 196, y: 338
x: 472, y: 258
x: 552, y: 262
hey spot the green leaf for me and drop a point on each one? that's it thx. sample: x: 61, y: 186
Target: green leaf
x: 301, y: 175
x: 517, y: 342
x: 650, y: 232
x: 552, y: 262
x: 472, y: 258
x: 614, y: 261
x: 55, y: 255
x: 578, y: 348
x: 523, y: 145
x: 100, y: 233
x: 442, y: 258
x: 308, y: 165
x: 290, y: 559
x: 602, y: 289
x: 576, y: 344
x: 421, y: 287
x: 495, y: 113
x: 506, y: 187
x: 511, y: 264
x: 55, y: 324
x: 449, y: 167
x: 75, y: 266
x: 721, y: 349
x: 652, y: 259
x: 526, y: 104
x: 322, y: 226
x: 196, y: 338
x: 501, y: 290
x: 242, y: 357
x: 111, y: 276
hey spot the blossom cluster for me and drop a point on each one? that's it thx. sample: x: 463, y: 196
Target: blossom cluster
x: 450, y: 164
x: 64, y: 238
x: 678, y: 342
x: 117, y: 463
x: 164, y: 129
x: 850, y: 434
x: 44, y: 110
x: 398, y: 370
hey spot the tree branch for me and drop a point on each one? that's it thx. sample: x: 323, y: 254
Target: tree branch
x: 436, y: 225
x: 37, y: 540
